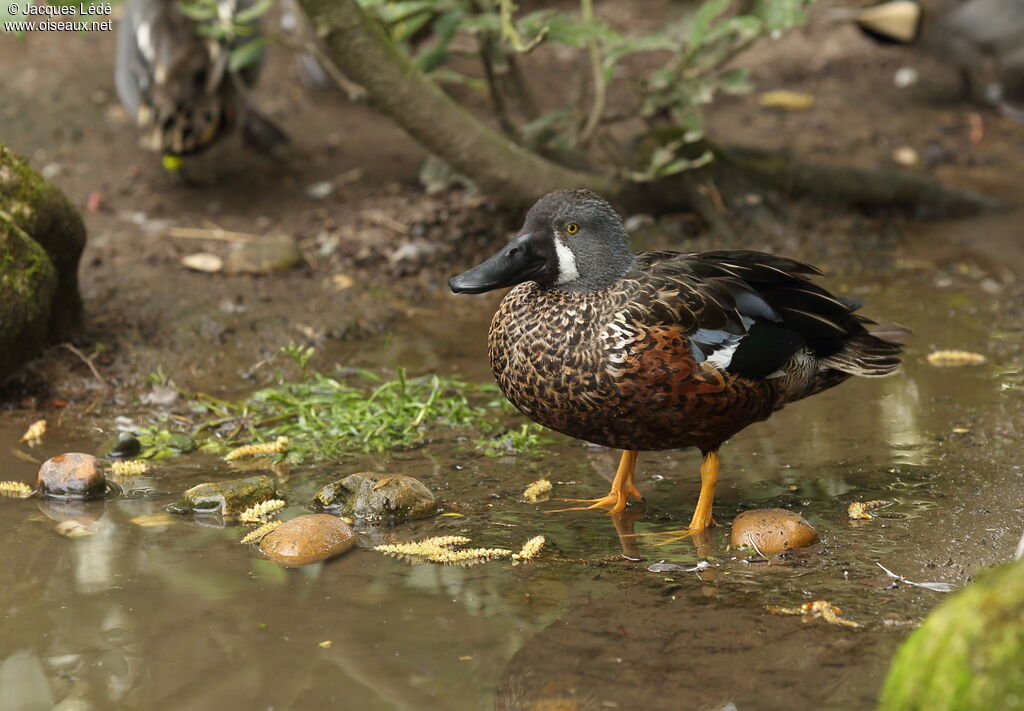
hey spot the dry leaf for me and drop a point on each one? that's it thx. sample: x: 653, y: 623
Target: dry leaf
x: 789, y: 100
x: 859, y: 509
x: 203, y: 262
x: 153, y: 520
x: 34, y: 433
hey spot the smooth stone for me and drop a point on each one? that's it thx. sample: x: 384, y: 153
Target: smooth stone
x: 772, y: 530
x: 380, y: 498
x: 71, y: 476
x: 126, y: 447
x: 308, y: 539
x: 226, y: 497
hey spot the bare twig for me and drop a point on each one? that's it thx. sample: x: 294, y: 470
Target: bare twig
x: 354, y: 91
x: 88, y: 361
x: 215, y: 233
x: 597, y: 77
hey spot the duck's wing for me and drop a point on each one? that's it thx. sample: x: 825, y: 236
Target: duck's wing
x: 749, y: 312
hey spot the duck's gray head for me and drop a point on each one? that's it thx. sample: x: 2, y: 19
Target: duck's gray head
x: 571, y: 240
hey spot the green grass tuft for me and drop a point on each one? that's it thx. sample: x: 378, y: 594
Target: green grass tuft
x: 353, y: 412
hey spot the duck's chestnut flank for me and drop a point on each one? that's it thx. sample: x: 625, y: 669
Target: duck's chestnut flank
x: 660, y: 350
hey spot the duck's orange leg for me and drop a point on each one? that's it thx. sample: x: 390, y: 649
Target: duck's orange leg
x: 708, y: 479
x: 623, y: 488
x: 702, y: 518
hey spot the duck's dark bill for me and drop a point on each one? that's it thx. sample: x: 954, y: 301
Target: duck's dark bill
x: 520, y: 260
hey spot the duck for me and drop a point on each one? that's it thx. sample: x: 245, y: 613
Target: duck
x: 661, y: 349
x: 177, y: 83
x: 982, y: 39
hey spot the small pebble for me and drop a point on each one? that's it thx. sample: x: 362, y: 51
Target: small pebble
x: 906, y: 155
x: 905, y: 77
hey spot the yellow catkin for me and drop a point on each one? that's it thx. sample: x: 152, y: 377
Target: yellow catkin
x: 954, y: 359
x: 129, y: 467
x: 256, y: 512
x: 278, y: 446
x: 424, y: 548
x: 539, y: 488
x: 530, y: 549
x: 859, y: 509
x: 470, y: 556
x: 35, y: 432
x: 439, y: 549
x: 819, y: 609
x: 15, y: 489
x: 257, y: 534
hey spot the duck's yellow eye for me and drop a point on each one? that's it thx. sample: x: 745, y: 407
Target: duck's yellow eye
x: 572, y: 228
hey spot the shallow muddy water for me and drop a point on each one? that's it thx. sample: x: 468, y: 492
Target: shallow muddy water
x: 181, y: 616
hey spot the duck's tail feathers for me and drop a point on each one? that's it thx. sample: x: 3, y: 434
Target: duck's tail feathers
x: 872, y: 354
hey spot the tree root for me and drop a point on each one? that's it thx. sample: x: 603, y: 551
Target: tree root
x: 517, y: 176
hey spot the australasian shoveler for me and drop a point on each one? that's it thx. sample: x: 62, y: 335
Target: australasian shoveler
x: 178, y: 85
x: 660, y: 350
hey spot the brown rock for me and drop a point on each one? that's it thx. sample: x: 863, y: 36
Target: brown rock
x: 772, y: 530
x: 71, y: 476
x: 308, y: 539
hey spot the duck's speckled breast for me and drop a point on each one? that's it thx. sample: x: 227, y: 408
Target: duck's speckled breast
x: 575, y: 363
x: 546, y: 353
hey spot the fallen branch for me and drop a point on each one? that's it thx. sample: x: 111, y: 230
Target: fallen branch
x: 854, y: 187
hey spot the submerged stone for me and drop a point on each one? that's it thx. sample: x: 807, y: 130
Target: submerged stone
x: 967, y: 654
x: 71, y: 476
x: 772, y: 530
x: 228, y: 498
x: 379, y: 498
x: 308, y: 539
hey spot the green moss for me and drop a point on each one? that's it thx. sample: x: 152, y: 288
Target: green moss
x: 969, y: 654
x: 28, y: 282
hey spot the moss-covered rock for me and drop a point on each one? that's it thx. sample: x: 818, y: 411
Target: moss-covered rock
x: 969, y: 653
x: 228, y: 498
x: 41, y: 241
x: 379, y: 498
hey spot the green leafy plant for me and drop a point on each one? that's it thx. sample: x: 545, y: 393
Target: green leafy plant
x: 689, y: 61
x: 346, y: 413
